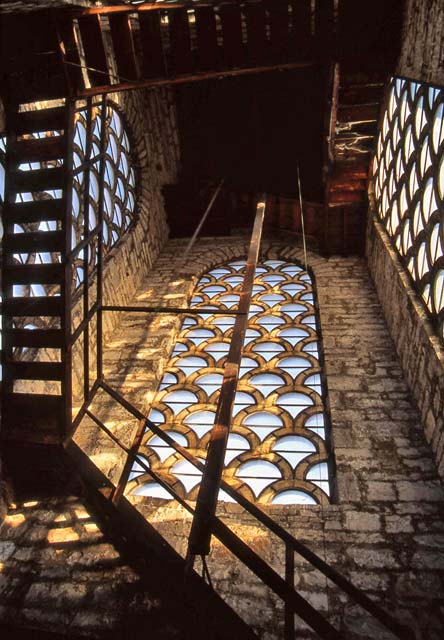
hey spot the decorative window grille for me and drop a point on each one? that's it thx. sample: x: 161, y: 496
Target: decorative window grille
x: 119, y: 194
x: 278, y: 448
x: 409, y: 186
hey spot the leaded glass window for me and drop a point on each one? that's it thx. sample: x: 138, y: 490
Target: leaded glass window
x: 278, y: 445
x: 409, y: 186
x: 119, y: 194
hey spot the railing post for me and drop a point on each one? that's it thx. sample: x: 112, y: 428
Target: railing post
x: 289, y: 579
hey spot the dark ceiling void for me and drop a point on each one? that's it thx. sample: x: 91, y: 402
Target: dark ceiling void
x: 253, y: 131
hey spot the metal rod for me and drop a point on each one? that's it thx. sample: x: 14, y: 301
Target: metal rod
x: 100, y: 205
x: 132, y: 452
x: 200, y: 534
x: 66, y: 288
x: 302, y: 216
x: 295, y: 602
x: 196, y: 77
x: 79, y: 417
x: 86, y: 240
x: 190, y: 310
x: 289, y: 579
x: 75, y: 334
x: 87, y: 163
x: 105, y: 429
x: 202, y: 220
x: 88, y: 147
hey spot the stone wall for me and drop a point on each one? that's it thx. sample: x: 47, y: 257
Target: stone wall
x: 422, y: 55
x: 419, y: 349
x: 385, y: 532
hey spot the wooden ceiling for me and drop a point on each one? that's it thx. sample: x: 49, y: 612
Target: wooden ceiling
x: 317, y: 104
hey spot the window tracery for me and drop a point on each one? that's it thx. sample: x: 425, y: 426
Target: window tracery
x: 409, y: 186
x: 277, y: 449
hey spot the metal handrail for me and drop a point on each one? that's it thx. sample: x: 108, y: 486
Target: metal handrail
x: 294, y: 602
x: 252, y: 560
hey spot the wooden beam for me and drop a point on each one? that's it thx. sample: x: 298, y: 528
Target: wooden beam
x: 200, y: 535
x: 196, y: 77
x: 123, y: 45
x: 190, y: 310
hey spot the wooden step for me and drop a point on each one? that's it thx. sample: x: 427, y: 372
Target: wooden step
x: 36, y: 370
x: 50, y: 338
x: 34, y: 211
x: 206, y: 31
x: 36, y: 79
x: 53, y: 119
x: 38, y: 149
x: 352, y: 171
x: 233, y: 49
x: 34, y: 274
x: 33, y: 242
x: 32, y: 417
x: 181, y: 59
x: 38, y: 180
x: 345, y: 197
x: 347, y: 184
x: 358, y: 112
x: 351, y: 155
x: 361, y: 93
x: 38, y: 306
x: 361, y: 128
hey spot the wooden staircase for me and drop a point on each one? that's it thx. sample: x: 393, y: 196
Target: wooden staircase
x: 34, y: 292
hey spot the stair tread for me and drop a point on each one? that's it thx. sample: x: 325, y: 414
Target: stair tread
x: 37, y: 180
x: 46, y: 241
x: 39, y: 149
x: 34, y: 273
x: 52, y: 119
x: 34, y: 211
x: 51, y: 338
x: 33, y: 306
x: 36, y: 370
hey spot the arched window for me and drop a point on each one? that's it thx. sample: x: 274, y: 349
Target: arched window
x: 119, y: 195
x: 409, y: 186
x: 278, y: 445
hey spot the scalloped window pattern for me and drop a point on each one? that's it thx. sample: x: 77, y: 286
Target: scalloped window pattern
x: 409, y: 186
x: 278, y: 445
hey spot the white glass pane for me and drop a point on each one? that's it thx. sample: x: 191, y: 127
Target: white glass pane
x: 152, y: 490
x: 293, y: 496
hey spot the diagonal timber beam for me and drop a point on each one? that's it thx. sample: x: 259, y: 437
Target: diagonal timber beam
x: 200, y: 534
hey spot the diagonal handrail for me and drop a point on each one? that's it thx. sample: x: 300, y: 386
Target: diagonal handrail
x: 293, y: 600
x: 237, y: 546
